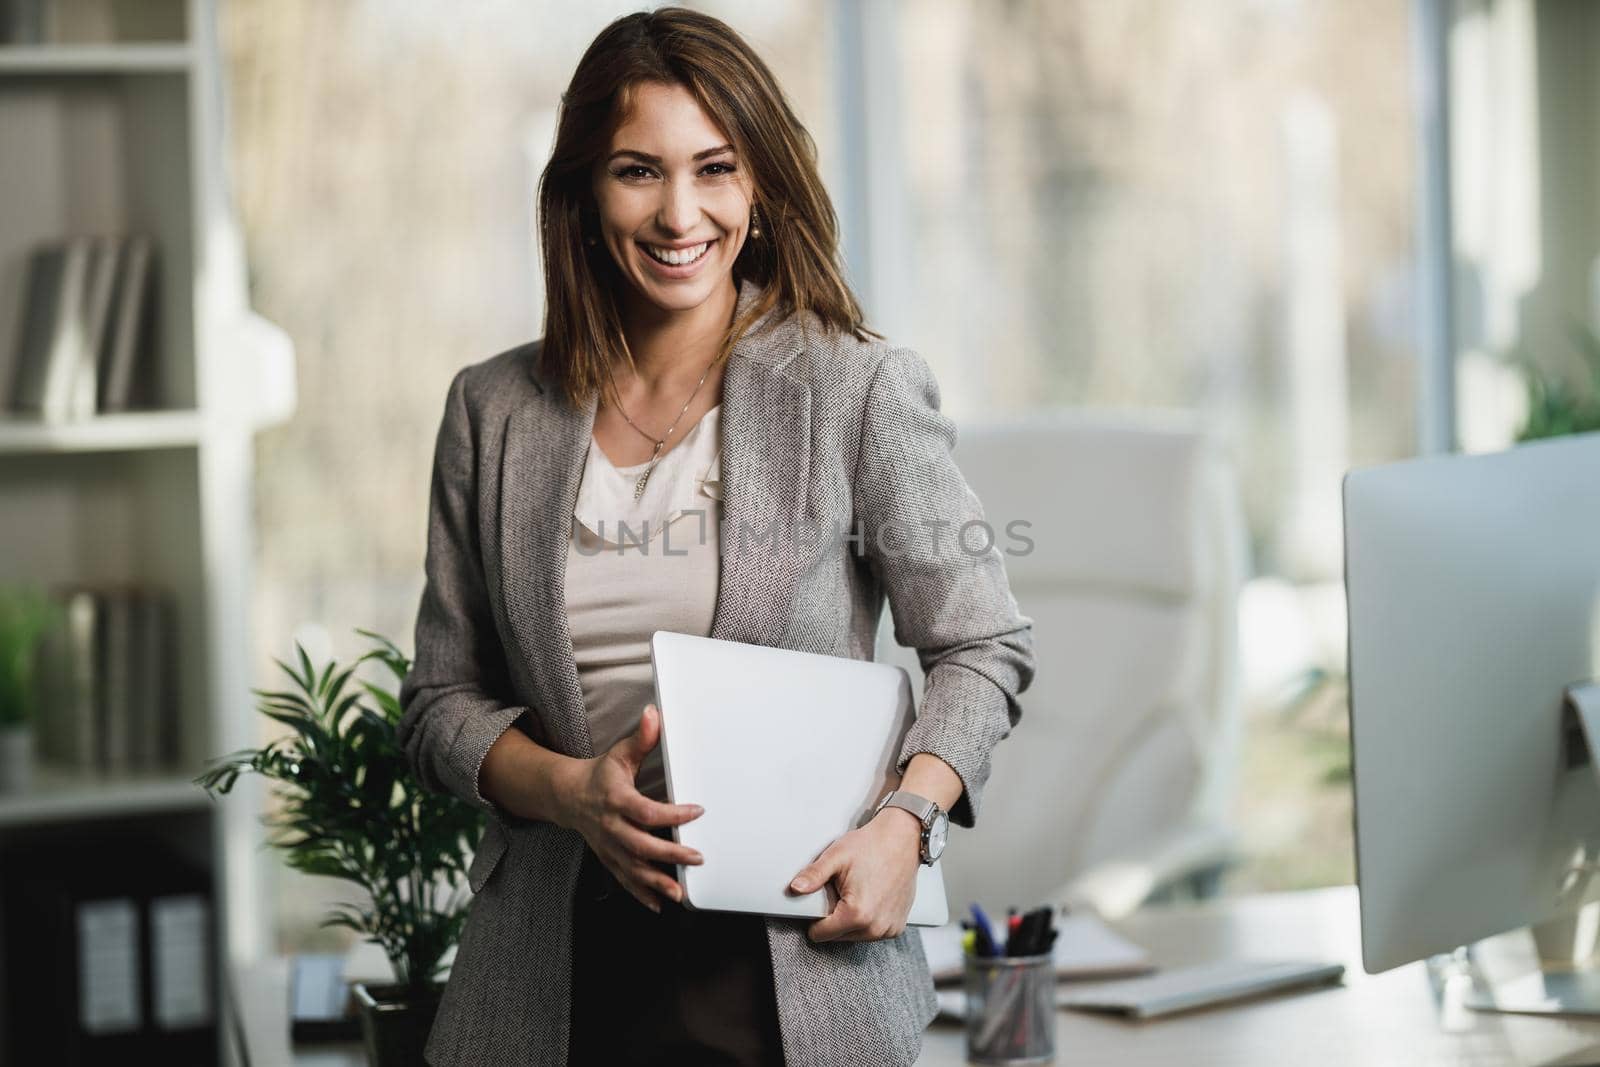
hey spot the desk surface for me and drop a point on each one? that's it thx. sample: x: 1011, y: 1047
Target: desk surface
x: 1391, y: 1018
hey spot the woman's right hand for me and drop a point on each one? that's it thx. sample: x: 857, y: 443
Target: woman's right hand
x: 614, y: 817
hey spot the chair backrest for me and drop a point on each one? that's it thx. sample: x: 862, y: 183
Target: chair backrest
x: 1129, y: 728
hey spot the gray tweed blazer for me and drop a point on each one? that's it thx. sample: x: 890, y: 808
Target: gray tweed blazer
x: 819, y: 431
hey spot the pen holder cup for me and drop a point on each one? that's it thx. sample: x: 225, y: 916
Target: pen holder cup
x: 1011, y: 1009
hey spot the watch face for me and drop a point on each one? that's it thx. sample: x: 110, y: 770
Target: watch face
x: 936, y: 836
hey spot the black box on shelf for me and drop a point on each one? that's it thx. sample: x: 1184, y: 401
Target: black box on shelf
x: 109, y: 954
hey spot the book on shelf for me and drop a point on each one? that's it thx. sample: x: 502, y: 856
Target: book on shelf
x: 103, y: 254
x: 154, y: 726
x: 129, y: 326
x: 110, y: 670
x: 23, y: 21
x: 116, y: 698
x: 51, y: 334
x: 67, y: 717
x: 83, y: 344
x: 105, y: 22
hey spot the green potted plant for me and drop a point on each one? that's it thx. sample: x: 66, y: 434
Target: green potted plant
x: 26, y: 615
x: 1555, y: 406
x: 351, y: 810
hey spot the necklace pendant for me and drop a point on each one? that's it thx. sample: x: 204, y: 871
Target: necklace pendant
x: 638, y: 487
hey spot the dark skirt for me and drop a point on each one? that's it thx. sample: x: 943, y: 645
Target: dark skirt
x: 683, y: 986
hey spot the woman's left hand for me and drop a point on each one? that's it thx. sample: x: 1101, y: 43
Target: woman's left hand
x: 874, y: 868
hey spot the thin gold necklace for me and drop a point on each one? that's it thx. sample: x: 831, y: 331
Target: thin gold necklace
x: 638, y: 487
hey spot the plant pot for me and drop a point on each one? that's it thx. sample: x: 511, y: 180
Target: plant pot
x: 16, y: 758
x: 395, y: 1020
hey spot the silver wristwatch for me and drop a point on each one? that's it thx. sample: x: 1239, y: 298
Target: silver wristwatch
x: 935, y: 823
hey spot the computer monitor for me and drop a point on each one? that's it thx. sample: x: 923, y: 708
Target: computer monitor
x: 1473, y: 586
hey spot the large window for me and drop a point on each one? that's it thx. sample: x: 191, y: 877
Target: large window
x: 1205, y: 206
x: 1524, y: 223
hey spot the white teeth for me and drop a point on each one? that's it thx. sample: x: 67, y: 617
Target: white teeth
x: 678, y: 257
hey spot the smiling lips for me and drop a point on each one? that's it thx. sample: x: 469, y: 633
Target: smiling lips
x: 677, y: 257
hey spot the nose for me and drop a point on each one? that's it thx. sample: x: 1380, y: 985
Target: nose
x: 680, y: 207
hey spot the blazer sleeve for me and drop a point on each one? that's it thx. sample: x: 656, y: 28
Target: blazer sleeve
x: 953, y: 604
x: 451, y: 698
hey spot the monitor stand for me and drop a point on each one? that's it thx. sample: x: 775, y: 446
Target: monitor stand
x: 1562, y: 975
x: 1567, y: 978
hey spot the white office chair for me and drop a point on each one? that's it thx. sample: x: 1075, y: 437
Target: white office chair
x: 1117, y: 785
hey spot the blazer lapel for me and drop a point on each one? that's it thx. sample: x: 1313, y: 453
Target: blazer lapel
x: 541, y: 468
x: 766, y: 459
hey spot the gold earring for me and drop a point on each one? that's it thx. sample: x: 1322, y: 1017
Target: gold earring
x: 755, y: 223
x: 589, y: 241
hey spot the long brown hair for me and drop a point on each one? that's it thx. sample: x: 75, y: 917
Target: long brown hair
x: 795, y: 260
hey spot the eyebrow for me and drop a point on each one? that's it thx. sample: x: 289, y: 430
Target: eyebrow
x: 648, y: 158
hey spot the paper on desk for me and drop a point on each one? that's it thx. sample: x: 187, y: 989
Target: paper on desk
x: 1180, y: 989
x: 367, y: 962
x: 1085, y: 948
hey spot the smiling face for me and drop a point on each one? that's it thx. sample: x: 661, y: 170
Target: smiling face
x: 673, y: 199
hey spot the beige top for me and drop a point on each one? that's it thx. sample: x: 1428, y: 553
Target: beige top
x: 638, y: 566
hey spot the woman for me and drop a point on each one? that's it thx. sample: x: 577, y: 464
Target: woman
x: 702, y: 359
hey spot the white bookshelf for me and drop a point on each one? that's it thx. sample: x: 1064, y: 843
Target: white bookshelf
x: 96, y: 59
x: 116, y: 125
x: 62, y: 797
x: 122, y: 432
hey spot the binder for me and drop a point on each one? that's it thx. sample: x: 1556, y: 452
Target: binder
x: 110, y: 953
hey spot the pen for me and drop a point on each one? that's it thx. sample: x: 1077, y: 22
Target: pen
x: 1031, y: 933
x: 986, y: 945
x: 1021, y: 943
x: 1018, y: 932
x: 1046, y: 931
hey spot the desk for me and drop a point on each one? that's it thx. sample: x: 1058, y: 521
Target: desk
x: 263, y: 992
x: 1391, y: 1018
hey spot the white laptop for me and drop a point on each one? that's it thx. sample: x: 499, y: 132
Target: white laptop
x: 786, y: 751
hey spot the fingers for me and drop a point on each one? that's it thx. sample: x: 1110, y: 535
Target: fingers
x: 645, y: 883
x: 639, y: 893
x: 617, y: 793
x: 649, y: 886
x: 619, y: 819
x: 661, y: 883
x: 849, y: 921
x: 816, y: 873
x: 649, y: 812
x: 645, y: 846
x: 852, y: 918
x: 637, y: 745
